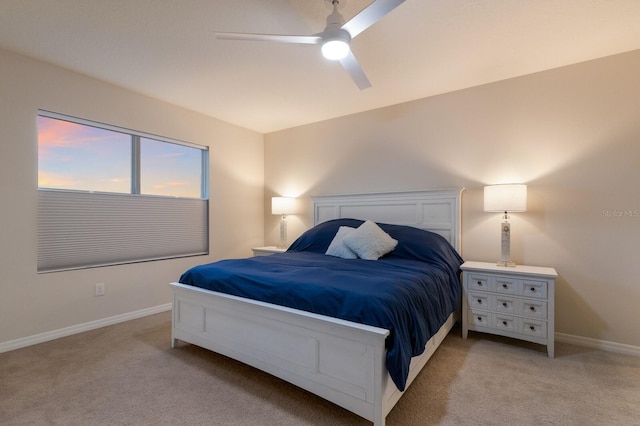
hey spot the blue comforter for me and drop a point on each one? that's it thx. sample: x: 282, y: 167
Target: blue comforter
x: 408, y: 296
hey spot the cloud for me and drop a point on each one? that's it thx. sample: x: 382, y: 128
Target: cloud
x: 176, y: 189
x: 55, y: 180
x: 54, y: 136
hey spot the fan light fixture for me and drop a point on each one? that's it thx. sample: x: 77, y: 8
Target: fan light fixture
x: 335, y: 49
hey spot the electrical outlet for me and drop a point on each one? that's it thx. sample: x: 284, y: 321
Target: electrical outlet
x: 100, y: 289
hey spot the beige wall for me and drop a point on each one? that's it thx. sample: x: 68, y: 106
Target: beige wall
x: 30, y: 303
x: 572, y: 134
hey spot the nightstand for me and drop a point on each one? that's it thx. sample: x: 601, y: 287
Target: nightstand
x: 515, y: 302
x: 266, y: 251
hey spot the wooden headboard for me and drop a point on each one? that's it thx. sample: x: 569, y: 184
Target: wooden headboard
x: 435, y: 210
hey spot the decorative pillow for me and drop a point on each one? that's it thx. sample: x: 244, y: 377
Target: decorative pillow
x: 338, y: 247
x: 369, y: 241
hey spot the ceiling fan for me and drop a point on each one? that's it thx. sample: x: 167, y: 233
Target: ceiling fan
x: 335, y: 38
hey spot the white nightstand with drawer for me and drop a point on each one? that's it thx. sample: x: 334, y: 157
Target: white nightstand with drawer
x: 515, y: 302
x: 266, y: 251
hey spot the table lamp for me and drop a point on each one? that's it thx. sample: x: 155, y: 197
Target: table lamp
x: 505, y: 198
x: 283, y: 206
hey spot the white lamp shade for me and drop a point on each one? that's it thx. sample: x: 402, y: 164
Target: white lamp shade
x: 505, y: 198
x: 283, y: 205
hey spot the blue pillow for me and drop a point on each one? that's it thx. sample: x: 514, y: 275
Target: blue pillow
x: 425, y: 246
x: 420, y: 244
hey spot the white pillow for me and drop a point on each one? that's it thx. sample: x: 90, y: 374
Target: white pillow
x: 337, y: 246
x: 369, y: 241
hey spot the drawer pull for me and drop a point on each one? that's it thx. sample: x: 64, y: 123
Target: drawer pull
x: 505, y: 304
x: 532, y: 328
x: 480, y: 319
x: 479, y: 301
x: 532, y: 308
x: 533, y: 289
x: 505, y: 286
x: 479, y: 283
x: 504, y: 323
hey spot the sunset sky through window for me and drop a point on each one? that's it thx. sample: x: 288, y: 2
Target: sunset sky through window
x: 81, y: 157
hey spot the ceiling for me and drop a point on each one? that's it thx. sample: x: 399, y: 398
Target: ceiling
x: 166, y: 49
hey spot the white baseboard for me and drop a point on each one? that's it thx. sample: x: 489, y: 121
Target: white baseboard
x: 92, y: 325
x: 75, y: 329
x: 598, y: 344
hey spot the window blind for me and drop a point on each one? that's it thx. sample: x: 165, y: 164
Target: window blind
x: 83, y: 229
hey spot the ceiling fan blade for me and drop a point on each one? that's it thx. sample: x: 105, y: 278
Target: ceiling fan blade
x: 354, y: 69
x: 370, y: 15
x: 270, y: 37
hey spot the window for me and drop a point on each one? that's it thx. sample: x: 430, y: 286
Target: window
x: 80, y: 157
x: 108, y: 195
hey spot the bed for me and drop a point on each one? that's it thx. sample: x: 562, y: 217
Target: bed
x: 347, y: 362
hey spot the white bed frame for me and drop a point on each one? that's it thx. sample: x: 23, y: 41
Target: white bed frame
x: 341, y: 361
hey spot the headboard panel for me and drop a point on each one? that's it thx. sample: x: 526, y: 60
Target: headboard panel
x: 435, y: 210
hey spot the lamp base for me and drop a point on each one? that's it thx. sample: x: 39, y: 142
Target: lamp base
x: 283, y: 232
x: 505, y: 245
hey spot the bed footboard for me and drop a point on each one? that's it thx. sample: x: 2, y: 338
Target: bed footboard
x: 340, y: 361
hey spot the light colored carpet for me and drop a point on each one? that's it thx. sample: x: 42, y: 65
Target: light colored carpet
x: 127, y: 374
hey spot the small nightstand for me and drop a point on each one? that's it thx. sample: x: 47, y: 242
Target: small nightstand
x: 515, y: 302
x: 266, y: 251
